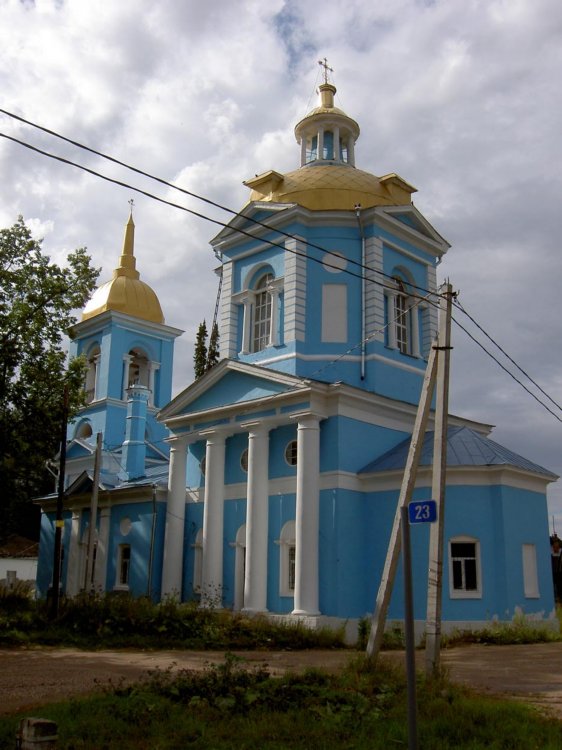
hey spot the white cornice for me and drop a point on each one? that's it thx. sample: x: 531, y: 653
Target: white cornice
x: 90, y: 326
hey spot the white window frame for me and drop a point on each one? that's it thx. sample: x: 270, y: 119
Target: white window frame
x: 463, y: 593
x: 403, y: 323
x: 120, y: 584
x: 247, y: 298
x: 291, y: 452
x: 530, y: 571
x: 287, y: 546
x: 91, y: 382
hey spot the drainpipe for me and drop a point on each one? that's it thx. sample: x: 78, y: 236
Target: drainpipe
x: 363, y: 291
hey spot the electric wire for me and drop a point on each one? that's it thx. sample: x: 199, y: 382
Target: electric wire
x: 521, y: 370
x: 269, y: 242
x: 190, y: 210
x: 190, y: 193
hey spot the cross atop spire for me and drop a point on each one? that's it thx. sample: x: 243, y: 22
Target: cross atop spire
x: 324, y: 64
x: 131, y: 204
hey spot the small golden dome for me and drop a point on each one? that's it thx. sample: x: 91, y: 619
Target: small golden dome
x: 125, y: 292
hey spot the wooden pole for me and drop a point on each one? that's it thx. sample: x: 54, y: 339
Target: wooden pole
x: 90, y: 562
x: 436, y: 534
x: 391, y: 563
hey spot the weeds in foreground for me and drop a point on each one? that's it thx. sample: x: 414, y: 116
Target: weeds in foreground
x: 229, y: 706
x: 106, y: 621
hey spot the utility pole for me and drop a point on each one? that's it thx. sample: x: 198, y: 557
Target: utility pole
x: 436, y: 534
x: 59, y: 523
x: 90, y: 562
x: 408, y: 482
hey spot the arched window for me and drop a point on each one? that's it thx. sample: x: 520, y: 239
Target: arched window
x: 83, y: 431
x: 138, y: 368
x: 287, y: 555
x: 262, y: 314
x: 402, y: 318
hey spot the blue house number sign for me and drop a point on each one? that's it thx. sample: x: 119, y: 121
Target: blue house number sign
x: 422, y: 511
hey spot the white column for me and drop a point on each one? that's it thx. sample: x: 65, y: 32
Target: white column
x: 257, y: 514
x: 415, y: 321
x: 172, y: 566
x: 303, y: 149
x: 391, y: 319
x: 126, y: 363
x: 100, y: 571
x: 73, y: 584
x: 320, y: 150
x: 97, y: 359
x: 274, y: 325
x: 336, y: 155
x: 307, y: 516
x: 246, y: 325
x: 153, y: 368
x: 351, y: 150
x: 213, y: 521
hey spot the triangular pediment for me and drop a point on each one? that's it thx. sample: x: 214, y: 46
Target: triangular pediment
x: 230, y: 382
x: 249, y: 220
x: 412, y: 219
x: 84, y: 483
x: 79, y: 449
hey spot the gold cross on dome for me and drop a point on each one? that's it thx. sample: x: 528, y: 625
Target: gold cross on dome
x: 324, y: 64
x: 131, y: 204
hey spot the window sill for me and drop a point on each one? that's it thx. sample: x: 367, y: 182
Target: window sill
x: 465, y: 594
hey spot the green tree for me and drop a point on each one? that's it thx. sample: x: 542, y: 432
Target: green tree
x: 200, y: 354
x: 37, y: 301
x: 213, y: 351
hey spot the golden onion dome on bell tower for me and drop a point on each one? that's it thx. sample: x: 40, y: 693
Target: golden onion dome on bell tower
x: 125, y: 292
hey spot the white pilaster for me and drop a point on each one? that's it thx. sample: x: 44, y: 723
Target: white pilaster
x: 274, y: 326
x: 320, y: 150
x: 73, y: 584
x: 336, y: 154
x: 247, y: 325
x: 100, y: 571
x: 391, y: 319
x: 257, y: 513
x: 213, y: 520
x: 415, y: 322
x: 303, y: 150
x: 307, y: 516
x: 351, y: 150
x: 172, y: 566
x: 126, y: 364
x: 153, y: 368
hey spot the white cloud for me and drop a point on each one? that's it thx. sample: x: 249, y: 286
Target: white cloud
x: 460, y: 97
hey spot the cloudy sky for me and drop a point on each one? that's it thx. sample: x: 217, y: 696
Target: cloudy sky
x: 459, y: 97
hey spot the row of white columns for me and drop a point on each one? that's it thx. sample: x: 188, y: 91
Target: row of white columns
x: 336, y: 153
x: 257, y: 509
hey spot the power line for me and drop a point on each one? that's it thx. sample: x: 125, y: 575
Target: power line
x: 190, y: 210
x: 190, y: 193
x: 267, y: 241
x: 521, y: 370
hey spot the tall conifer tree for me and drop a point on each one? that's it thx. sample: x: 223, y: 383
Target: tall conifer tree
x: 200, y: 354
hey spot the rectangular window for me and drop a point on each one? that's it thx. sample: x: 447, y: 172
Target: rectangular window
x: 334, y: 313
x: 123, y: 566
x: 464, y: 569
x: 530, y: 575
x: 291, y: 571
x: 402, y: 323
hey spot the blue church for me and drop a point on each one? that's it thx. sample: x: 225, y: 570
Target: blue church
x: 270, y: 484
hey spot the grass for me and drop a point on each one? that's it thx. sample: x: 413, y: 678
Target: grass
x: 228, y: 707
x: 94, y: 622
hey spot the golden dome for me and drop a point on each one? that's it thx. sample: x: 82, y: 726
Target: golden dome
x: 328, y: 179
x: 125, y: 292
x: 330, y: 188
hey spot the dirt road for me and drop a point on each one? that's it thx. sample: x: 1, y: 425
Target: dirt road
x: 31, y: 677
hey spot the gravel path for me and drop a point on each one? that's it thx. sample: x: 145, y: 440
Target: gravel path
x: 32, y: 677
